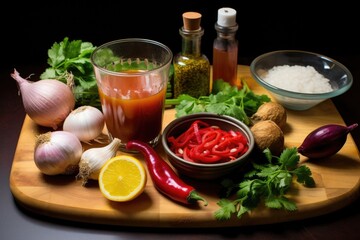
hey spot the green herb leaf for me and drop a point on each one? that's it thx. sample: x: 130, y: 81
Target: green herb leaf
x: 73, y: 57
x: 227, y: 208
x: 266, y: 182
x: 303, y: 174
x: 223, y: 100
x: 280, y: 203
x: 289, y: 158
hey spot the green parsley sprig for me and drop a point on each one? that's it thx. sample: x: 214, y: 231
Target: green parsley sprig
x: 224, y: 100
x: 73, y: 58
x: 266, y: 182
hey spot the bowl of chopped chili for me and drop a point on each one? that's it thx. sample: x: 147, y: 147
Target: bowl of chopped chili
x: 207, y: 145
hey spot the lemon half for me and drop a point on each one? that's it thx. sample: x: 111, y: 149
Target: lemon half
x: 122, y: 178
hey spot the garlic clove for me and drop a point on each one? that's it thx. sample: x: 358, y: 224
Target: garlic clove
x: 93, y: 159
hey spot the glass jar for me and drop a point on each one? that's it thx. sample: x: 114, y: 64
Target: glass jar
x: 191, y: 66
x: 225, y: 48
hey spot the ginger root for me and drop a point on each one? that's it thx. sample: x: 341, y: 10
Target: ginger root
x: 267, y: 134
x: 271, y: 111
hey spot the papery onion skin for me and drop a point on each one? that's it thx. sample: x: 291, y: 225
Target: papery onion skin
x: 57, y: 152
x: 86, y: 122
x: 325, y: 141
x: 47, y: 102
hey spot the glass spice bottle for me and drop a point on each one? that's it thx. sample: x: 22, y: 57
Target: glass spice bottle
x: 225, y: 47
x: 191, y: 66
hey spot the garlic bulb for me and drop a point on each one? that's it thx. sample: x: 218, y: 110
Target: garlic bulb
x: 47, y: 102
x: 93, y: 159
x: 86, y: 122
x: 57, y: 152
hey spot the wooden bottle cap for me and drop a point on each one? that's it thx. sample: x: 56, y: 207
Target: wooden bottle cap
x: 191, y: 21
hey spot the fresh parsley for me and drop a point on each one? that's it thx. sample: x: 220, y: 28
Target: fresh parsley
x: 265, y: 182
x: 69, y: 62
x: 72, y: 58
x: 223, y: 100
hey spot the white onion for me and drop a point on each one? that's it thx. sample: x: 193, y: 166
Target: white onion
x: 47, y: 102
x: 57, y: 152
x: 86, y: 122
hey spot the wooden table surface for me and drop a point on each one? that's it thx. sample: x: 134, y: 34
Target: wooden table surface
x: 21, y: 223
x: 337, y: 182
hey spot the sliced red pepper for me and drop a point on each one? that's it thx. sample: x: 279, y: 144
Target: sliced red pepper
x: 208, y: 144
x: 231, y: 151
x: 200, y: 155
x: 208, y: 158
x: 196, y: 132
x: 211, y: 138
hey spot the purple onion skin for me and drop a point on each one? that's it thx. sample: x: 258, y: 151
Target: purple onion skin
x: 325, y: 141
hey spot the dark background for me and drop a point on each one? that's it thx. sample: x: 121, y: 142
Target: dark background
x: 29, y: 29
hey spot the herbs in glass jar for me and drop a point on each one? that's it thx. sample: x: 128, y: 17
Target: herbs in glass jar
x: 192, y: 77
x: 191, y: 66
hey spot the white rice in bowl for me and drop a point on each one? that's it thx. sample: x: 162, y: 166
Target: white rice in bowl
x: 304, y: 79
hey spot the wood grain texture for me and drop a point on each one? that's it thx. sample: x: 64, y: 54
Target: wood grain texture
x: 337, y: 183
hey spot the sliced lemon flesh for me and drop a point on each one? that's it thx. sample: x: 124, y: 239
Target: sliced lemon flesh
x: 122, y: 178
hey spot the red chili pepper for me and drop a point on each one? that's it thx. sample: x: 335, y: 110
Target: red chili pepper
x: 164, y: 177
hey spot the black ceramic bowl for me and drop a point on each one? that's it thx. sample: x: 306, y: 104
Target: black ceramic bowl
x: 206, y: 170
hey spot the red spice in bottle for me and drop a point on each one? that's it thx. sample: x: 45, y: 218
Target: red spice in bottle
x: 225, y: 48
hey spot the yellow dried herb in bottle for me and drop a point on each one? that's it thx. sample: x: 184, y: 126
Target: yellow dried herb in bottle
x: 191, y: 67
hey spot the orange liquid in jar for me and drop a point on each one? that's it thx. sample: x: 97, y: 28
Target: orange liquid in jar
x: 138, y: 113
x: 225, y: 65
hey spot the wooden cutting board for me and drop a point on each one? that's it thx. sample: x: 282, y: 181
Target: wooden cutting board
x: 337, y: 183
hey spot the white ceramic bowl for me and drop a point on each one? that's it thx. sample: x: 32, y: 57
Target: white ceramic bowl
x: 340, y: 78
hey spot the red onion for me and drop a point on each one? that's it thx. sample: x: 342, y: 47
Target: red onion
x: 47, y: 102
x: 325, y: 141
